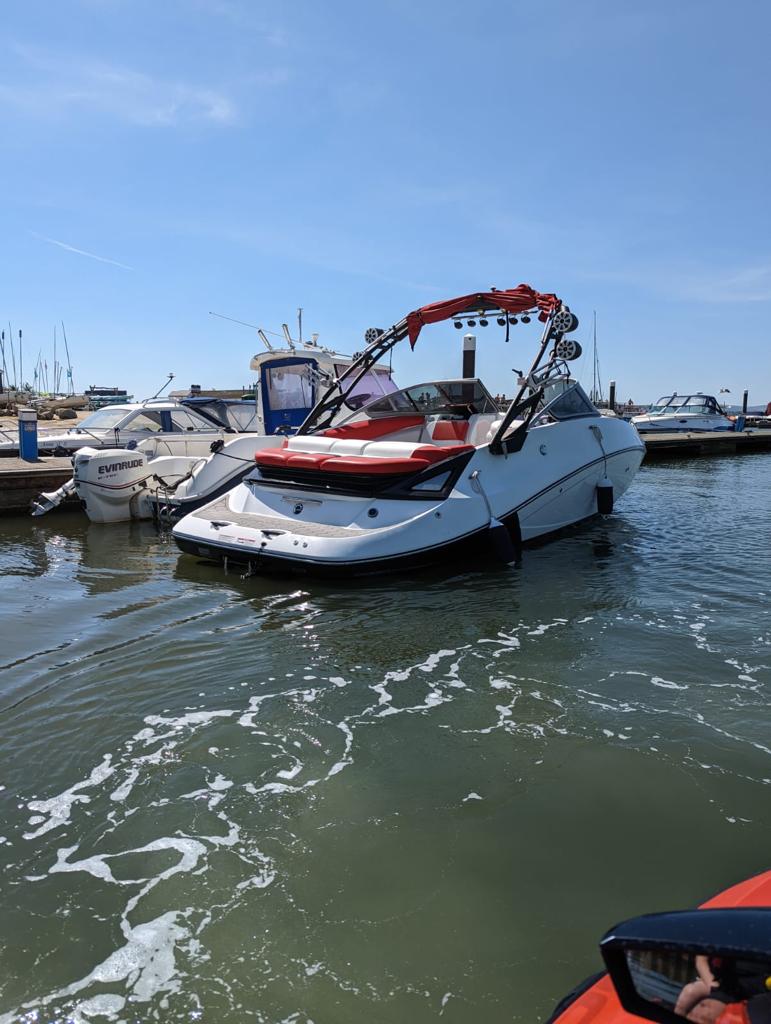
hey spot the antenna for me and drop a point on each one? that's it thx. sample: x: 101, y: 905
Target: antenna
x: 243, y: 323
x: 233, y: 321
x: 300, y: 323
x: 264, y: 339
x: 163, y: 386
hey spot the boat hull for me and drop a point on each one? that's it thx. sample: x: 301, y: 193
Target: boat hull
x: 684, y: 424
x: 538, y: 491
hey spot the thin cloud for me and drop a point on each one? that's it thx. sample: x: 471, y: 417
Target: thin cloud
x: 63, y: 85
x: 81, y: 252
x: 335, y: 252
x: 704, y: 284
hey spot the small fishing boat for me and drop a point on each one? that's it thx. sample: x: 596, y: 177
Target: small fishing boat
x: 430, y: 471
x: 171, y: 457
x: 690, y: 412
x: 707, y: 966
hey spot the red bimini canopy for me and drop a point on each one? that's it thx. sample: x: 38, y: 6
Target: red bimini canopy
x: 510, y: 300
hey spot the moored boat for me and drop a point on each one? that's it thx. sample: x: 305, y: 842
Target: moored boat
x: 431, y: 471
x: 171, y: 457
x: 688, y: 412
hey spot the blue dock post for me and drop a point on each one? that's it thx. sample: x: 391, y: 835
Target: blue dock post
x: 28, y: 435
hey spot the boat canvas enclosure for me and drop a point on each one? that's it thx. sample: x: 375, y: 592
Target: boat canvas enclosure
x: 287, y: 391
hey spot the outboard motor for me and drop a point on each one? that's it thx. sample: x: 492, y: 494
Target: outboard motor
x: 106, y: 481
x: 49, y: 500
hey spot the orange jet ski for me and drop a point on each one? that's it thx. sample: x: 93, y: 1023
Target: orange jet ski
x: 706, y: 966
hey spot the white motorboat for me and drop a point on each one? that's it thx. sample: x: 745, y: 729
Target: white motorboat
x: 125, y: 426
x: 431, y: 471
x: 689, y: 412
x: 169, y: 473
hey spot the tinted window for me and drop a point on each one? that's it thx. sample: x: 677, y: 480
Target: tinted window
x: 371, y: 385
x: 446, y: 396
x: 572, y: 402
x: 187, y: 421
x: 149, y: 421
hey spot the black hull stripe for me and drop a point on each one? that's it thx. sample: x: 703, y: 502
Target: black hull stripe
x: 575, y: 472
x: 458, y: 547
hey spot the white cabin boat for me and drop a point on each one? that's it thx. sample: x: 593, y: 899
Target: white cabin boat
x: 690, y: 412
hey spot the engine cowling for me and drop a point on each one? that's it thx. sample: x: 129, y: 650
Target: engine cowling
x: 106, y: 481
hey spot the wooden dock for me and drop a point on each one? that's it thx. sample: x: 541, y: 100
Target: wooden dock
x: 22, y: 481
x: 684, y: 445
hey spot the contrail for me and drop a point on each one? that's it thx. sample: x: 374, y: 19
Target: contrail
x: 81, y: 252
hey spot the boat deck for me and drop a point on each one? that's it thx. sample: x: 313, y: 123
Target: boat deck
x: 220, y: 512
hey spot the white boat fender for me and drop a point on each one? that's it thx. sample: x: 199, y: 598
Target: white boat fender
x: 605, y: 497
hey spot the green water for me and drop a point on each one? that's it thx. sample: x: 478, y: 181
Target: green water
x: 408, y: 800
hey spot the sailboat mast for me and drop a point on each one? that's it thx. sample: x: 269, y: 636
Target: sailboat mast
x: 70, y: 382
x: 596, y: 380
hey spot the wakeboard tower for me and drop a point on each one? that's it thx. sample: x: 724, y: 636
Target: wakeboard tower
x: 429, y: 472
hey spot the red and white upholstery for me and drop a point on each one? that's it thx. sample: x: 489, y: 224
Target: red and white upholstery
x: 375, y: 457
x: 371, y: 430
x: 448, y: 431
x: 368, y: 447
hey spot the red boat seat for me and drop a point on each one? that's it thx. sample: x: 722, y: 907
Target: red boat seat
x: 307, y: 460
x: 372, y: 429
x: 436, y: 453
x: 449, y: 430
x: 381, y: 458
x: 360, y: 464
x: 271, y: 456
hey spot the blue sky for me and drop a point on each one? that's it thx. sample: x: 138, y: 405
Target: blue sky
x: 163, y: 159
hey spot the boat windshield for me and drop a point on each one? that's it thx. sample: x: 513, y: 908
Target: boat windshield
x: 458, y: 397
x: 103, y: 419
x: 702, y: 404
x: 565, y: 399
x: 374, y: 384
